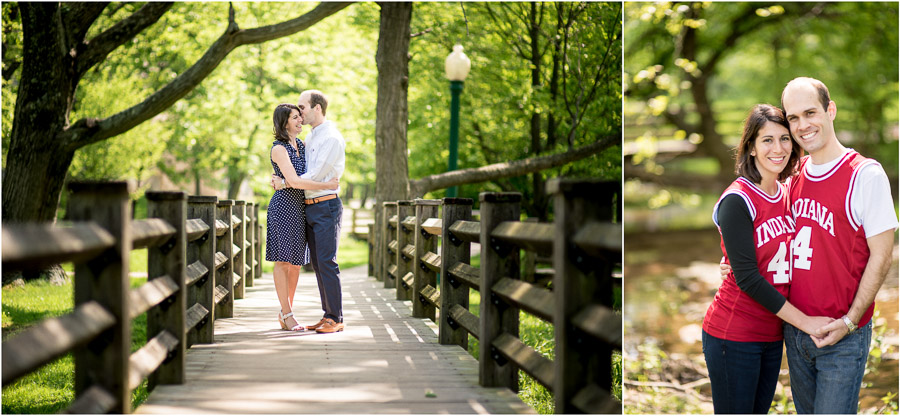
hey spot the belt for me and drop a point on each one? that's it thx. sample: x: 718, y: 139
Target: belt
x: 321, y: 199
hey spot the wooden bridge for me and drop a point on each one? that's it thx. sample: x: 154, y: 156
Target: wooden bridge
x: 214, y: 344
x: 385, y: 361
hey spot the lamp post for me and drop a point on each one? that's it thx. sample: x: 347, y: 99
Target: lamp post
x: 457, y: 68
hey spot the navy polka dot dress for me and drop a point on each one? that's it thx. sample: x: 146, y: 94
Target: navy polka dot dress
x: 286, y: 222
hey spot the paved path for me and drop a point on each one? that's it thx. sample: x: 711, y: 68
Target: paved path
x: 384, y: 362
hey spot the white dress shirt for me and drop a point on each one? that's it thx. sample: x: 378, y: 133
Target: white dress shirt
x: 324, y: 157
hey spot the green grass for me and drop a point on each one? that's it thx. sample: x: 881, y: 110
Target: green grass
x: 137, y: 262
x: 351, y: 252
x: 51, y: 388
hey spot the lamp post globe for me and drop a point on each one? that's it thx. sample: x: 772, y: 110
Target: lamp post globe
x: 457, y: 67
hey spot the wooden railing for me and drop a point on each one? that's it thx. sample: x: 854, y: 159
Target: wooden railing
x: 356, y: 200
x: 585, y: 246
x: 202, y: 253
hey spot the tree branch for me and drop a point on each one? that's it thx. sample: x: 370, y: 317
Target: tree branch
x: 688, y: 181
x: 79, y: 17
x: 601, y: 69
x: 111, y: 11
x: 497, y: 22
x: 744, y: 24
x: 419, y: 187
x: 680, y: 121
x: 87, y: 131
x: 421, y: 33
x: 490, y: 155
x: 94, y: 51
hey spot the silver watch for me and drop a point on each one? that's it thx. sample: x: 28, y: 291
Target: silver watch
x: 283, y: 185
x: 850, y: 325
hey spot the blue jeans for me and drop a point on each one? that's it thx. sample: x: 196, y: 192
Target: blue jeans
x: 743, y: 375
x: 827, y: 380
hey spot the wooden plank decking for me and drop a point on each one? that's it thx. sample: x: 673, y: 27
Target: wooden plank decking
x: 384, y: 362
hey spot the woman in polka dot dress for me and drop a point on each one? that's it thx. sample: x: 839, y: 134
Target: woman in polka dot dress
x: 286, y: 222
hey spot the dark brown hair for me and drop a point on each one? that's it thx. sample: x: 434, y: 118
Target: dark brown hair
x: 280, y: 119
x: 317, y: 98
x: 758, y: 117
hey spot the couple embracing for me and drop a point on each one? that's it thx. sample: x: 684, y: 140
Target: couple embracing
x: 807, y: 244
x: 304, y: 215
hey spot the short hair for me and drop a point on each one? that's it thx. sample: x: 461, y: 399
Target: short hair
x: 824, y: 96
x: 317, y: 98
x: 279, y: 119
x: 758, y: 117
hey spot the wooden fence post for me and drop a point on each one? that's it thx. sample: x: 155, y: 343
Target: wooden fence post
x: 225, y: 274
x: 498, y: 260
x: 204, y: 208
x: 404, y: 262
x: 424, y: 243
x: 240, y: 242
x: 370, y: 242
x: 579, y: 282
x: 105, y: 280
x: 389, y: 236
x: 453, y: 251
x: 248, y: 243
x: 376, y: 240
x: 168, y: 259
x: 353, y: 215
x: 257, y: 250
x: 530, y: 260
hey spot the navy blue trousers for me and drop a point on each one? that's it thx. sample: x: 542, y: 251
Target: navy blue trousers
x: 323, y: 229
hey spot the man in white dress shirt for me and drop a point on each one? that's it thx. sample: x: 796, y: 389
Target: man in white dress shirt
x: 324, y: 161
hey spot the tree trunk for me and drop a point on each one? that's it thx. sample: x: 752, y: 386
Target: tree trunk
x: 712, y: 141
x: 392, y: 58
x: 234, y: 183
x: 32, y: 183
x: 391, y: 114
x: 536, y: 206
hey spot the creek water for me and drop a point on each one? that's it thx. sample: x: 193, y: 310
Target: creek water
x: 670, y: 279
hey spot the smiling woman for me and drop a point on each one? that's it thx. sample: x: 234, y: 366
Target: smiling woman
x: 741, y: 325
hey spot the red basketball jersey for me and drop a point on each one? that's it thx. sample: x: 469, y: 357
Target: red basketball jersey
x: 829, y: 250
x: 734, y: 315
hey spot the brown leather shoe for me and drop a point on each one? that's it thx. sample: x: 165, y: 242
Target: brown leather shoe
x: 317, y: 325
x: 330, y: 326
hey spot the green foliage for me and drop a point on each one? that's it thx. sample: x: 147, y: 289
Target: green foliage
x: 499, y: 99
x: 51, y: 388
x: 12, y: 50
x: 227, y: 121
x: 219, y: 134
x: 743, y: 54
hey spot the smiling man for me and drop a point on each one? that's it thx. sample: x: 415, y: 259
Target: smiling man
x: 841, y: 251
